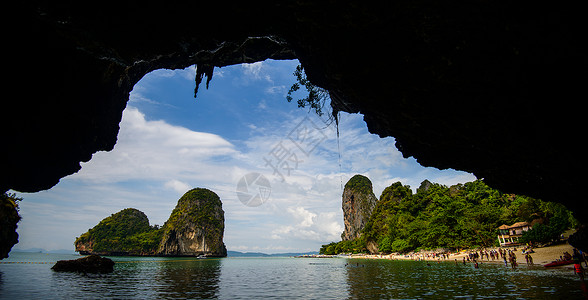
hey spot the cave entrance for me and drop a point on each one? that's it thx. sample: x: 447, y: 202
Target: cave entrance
x: 238, y: 130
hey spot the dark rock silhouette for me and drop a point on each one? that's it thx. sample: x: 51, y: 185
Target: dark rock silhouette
x: 88, y: 264
x: 486, y: 87
x: 9, y: 219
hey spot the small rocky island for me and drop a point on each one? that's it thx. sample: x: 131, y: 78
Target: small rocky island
x: 194, y: 228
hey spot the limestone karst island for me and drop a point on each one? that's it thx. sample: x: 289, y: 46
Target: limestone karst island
x: 448, y: 219
x: 194, y: 228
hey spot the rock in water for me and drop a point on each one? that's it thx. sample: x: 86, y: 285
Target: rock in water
x: 88, y: 264
x: 195, y: 227
x: 358, y: 203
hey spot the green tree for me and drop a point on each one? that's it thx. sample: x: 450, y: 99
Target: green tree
x: 461, y: 216
x: 316, y: 97
x: 125, y: 231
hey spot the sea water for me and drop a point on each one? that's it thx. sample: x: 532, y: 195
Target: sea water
x: 29, y: 276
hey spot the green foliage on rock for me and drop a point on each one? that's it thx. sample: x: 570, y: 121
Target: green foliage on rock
x: 197, y: 206
x: 359, y: 183
x: 461, y: 216
x: 354, y: 246
x: 9, y: 219
x: 125, y: 231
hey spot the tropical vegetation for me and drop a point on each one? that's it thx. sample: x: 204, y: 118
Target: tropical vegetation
x: 125, y: 231
x: 461, y: 216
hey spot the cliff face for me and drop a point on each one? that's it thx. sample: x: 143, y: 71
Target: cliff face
x: 195, y: 227
x: 358, y: 203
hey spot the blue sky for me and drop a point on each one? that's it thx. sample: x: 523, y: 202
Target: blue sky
x: 242, y: 124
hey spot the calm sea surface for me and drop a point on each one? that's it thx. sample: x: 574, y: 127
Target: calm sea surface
x: 282, y: 278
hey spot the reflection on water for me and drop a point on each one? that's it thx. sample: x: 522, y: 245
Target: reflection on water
x: 198, y: 278
x: 133, y: 278
x: 385, y: 279
x: 284, y: 278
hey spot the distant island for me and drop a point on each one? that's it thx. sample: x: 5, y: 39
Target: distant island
x: 41, y: 250
x: 259, y: 254
x: 194, y: 228
x: 439, y: 217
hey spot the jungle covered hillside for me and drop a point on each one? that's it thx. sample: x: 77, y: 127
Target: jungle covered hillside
x: 461, y: 216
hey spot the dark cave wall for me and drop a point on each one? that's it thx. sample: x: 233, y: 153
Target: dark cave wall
x: 486, y: 87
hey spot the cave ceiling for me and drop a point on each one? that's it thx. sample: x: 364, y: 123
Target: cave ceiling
x: 487, y: 87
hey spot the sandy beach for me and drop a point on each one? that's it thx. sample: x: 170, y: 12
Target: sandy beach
x: 541, y: 256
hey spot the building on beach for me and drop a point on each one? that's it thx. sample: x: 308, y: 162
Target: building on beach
x: 510, y: 235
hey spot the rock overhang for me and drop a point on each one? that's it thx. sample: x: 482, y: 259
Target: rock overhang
x: 484, y: 87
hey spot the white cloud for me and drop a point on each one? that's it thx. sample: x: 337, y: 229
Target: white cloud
x: 304, y: 217
x: 253, y: 70
x: 178, y: 186
x: 256, y: 71
x: 277, y: 89
x: 308, y: 225
x: 155, y: 150
x: 262, y: 104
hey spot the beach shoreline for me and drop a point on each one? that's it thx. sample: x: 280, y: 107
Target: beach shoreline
x: 541, y: 256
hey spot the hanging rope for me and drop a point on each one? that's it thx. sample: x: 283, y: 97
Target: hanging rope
x: 339, y: 150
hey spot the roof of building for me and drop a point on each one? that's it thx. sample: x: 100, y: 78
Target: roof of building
x: 519, y: 224
x: 515, y: 225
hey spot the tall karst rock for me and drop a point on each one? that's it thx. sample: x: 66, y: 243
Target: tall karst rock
x: 195, y: 226
x: 358, y: 203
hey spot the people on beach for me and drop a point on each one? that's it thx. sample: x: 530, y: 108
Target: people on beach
x: 577, y: 257
x: 513, y: 259
x: 578, y: 269
x: 529, y: 259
